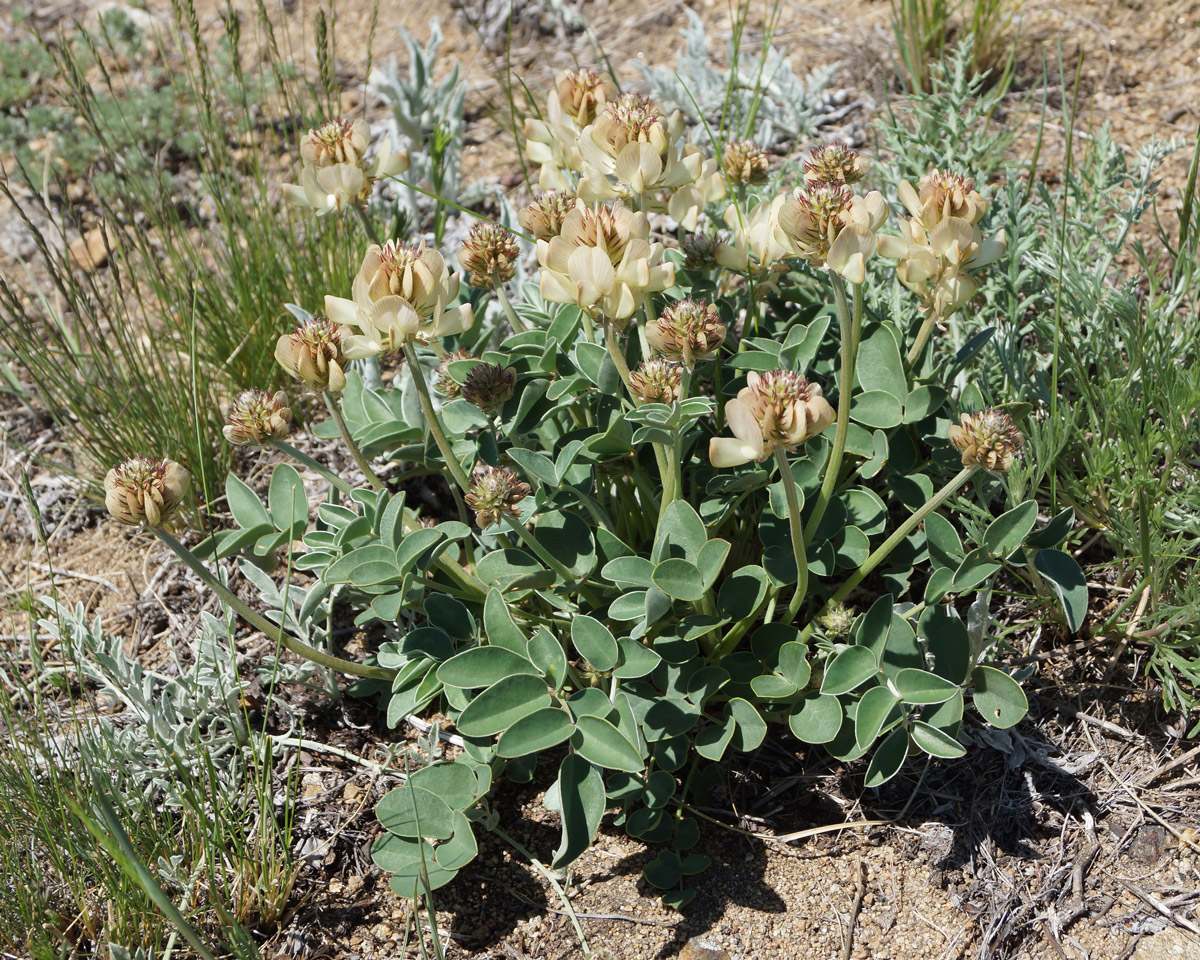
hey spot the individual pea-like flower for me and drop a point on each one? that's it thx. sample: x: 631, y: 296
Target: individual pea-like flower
x: 544, y: 216
x: 834, y: 163
x: 687, y: 331
x: 580, y: 94
x: 986, y: 439
x: 145, y: 490
x: 828, y: 226
x: 656, y: 381
x: 495, y: 491
x: 940, y: 244
x: 313, y: 354
x: 603, y: 261
x: 334, y: 172
x: 780, y: 409
x: 400, y: 295
x: 753, y: 246
x: 489, y: 255
x: 257, y: 417
x: 744, y: 161
x: 489, y: 386
x: 443, y: 380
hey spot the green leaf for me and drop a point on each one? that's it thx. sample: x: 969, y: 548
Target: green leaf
x: 816, y: 719
x: 454, y: 782
x: 924, y: 401
x: 1068, y: 581
x: 945, y: 548
x: 742, y: 592
x: 660, y: 787
x: 936, y: 743
x: 413, y: 547
x: 535, y: 465
x: 410, y: 811
x: 888, y: 759
x: 288, y: 501
x: 875, y: 408
x: 873, y: 710
x: 539, y: 731
x: 364, y: 567
x: 244, y: 504
x: 501, y: 628
x: 636, y: 659
x: 680, y: 579
x: 664, y: 870
x: 547, y: 654
x: 1007, y: 531
x: 1054, y: 532
x: 577, y: 796
x: 975, y: 568
x: 793, y: 664
x: 568, y: 539
x: 503, y: 704
x: 920, y: 687
x: 851, y: 668
x: 751, y: 728
x: 998, y: 697
x: 629, y: 572
x: 711, y: 560
x: 483, y: 666
x: 870, y: 629
x: 878, y: 365
x: 501, y: 567
x: 772, y: 687
x: 413, y: 863
x: 714, y: 740
x: 948, y: 641
x: 603, y: 744
x: 594, y: 642
x: 681, y: 533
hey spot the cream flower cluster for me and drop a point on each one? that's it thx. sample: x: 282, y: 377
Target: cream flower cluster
x: 334, y: 171
x: 940, y: 242
x: 606, y: 147
x: 400, y: 295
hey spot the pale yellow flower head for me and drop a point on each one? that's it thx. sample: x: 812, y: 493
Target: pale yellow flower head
x: 489, y: 255
x: 334, y: 171
x: 686, y: 331
x: 987, y: 439
x: 313, y: 354
x: 495, y: 491
x: 144, y: 490
x: 656, y: 381
x: 753, y: 245
x: 400, y: 295
x: 745, y: 162
x: 827, y: 225
x: 780, y: 409
x: 603, y: 261
x: 257, y: 417
x: 834, y: 163
x: 544, y: 216
x: 941, y: 195
x: 579, y: 95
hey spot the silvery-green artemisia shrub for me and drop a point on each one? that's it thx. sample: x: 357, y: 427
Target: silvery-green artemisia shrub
x: 705, y: 489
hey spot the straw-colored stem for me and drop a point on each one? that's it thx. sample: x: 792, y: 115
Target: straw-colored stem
x: 432, y: 421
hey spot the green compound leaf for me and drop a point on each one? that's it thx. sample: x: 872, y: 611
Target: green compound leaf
x: 888, y: 759
x: 664, y: 871
x: 935, y: 742
x: 409, y: 811
x: 873, y: 710
x: 364, y: 567
x: 603, y: 744
x: 681, y: 533
x: 998, y: 697
x: 875, y: 408
x: 919, y: 687
x: 751, y: 728
x: 714, y: 740
x: 851, y: 668
x: 501, y: 628
x: 660, y: 787
x: 568, y: 539
x: 1069, y: 583
x: 816, y: 719
x: 742, y: 592
x: 945, y: 547
x: 547, y: 654
x: 577, y: 796
x: 455, y: 783
x: 680, y: 579
x: 539, y: 731
x: 1009, y: 530
x: 503, y: 704
x: 594, y: 642
x: 245, y: 506
x: 879, y: 366
x: 482, y: 666
x: 411, y: 860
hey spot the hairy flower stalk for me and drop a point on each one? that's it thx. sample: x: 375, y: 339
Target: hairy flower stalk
x: 143, y: 490
x: 334, y: 172
x: 432, y: 421
x: 313, y: 354
x: 257, y: 417
x: 776, y: 410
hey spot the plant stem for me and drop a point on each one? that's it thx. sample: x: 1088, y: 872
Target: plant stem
x: 793, y: 502
x: 431, y: 419
x: 923, y: 334
x: 618, y: 359
x: 518, y: 325
x: 890, y: 544
x: 677, y: 447
x: 367, y: 225
x: 850, y: 325
x: 259, y: 622
x: 355, y: 452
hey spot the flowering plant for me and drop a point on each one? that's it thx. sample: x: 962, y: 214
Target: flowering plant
x: 702, y: 491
